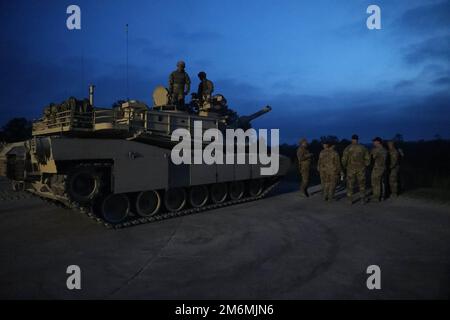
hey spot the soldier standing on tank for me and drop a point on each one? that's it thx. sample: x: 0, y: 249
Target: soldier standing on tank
x: 329, y: 166
x: 205, y: 88
x: 378, y: 154
x: 304, y: 160
x: 394, y: 168
x: 179, y: 85
x: 355, y: 159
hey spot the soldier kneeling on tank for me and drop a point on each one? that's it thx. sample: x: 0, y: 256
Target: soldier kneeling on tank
x: 205, y: 88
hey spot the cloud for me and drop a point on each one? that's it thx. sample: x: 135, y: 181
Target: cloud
x: 402, y: 84
x: 414, y: 117
x: 441, y: 81
x: 149, y: 49
x: 197, y: 36
x: 436, y: 48
x: 27, y: 83
x: 430, y: 17
x: 435, y: 74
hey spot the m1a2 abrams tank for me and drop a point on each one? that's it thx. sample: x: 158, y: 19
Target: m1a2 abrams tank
x: 115, y: 164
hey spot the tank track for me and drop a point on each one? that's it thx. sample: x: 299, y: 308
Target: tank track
x: 136, y: 220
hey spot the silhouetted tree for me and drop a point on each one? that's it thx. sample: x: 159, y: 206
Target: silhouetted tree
x: 332, y: 139
x: 398, y: 137
x: 17, y: 129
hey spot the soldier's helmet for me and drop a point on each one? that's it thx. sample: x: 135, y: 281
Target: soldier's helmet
x: 302, y: 141
x: 355, y: 137
x: 202, y: 75
x: 181, y: 63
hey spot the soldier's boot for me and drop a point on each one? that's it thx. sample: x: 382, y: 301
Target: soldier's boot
x: 375, y: 198
x: 364, y: 198
x: 350, y: 199
x: 306, y: 193
x: 331, y: 198
x: 302, y: 193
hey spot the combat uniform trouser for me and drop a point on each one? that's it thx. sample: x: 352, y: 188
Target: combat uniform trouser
x: 377, y: 179
x: 393, y: 181
x: 304, y: 173
x: 323, y: 182
x: 177, y: 97
x: 360, y: 177
x: 329, y: 181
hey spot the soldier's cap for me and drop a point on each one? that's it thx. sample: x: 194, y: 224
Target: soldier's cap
x: 182, y: 63
x: 202, y: 74
x: 355, y: 137
x: 377, y: 139
x: 302, y: 140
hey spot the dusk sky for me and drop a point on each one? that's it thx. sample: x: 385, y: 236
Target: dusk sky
x: 315, y: 62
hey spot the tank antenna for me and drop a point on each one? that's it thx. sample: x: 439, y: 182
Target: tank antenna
x: 126, y: 29
x: 82, y: 69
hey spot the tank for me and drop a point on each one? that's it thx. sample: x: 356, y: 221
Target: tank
x: 114, y: 164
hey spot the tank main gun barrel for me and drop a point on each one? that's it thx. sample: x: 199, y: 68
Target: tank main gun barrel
x: 244, y: 122
x: 249, y: 118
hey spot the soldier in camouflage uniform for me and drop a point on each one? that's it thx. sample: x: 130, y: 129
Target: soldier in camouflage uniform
x: 205, y: 87
x: 304, y: 161
x: 355, y: 159
x: 394, y: 168
x: 378, y: 154
x: 179, y: 85
x: 329, y: 166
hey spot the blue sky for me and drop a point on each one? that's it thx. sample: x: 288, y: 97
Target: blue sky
x: 314, y: 62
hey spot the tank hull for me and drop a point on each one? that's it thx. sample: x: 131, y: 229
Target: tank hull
x: 82, y: 172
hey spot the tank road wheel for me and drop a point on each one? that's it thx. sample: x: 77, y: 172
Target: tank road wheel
x: 175, y: 199
x: 18, y: 186
x: 115, y: 207
x: 237, y: 189
x: 255, y: 187
x: 83, y: 184
x: 219, y: 192
x: 198, y: 196
x: 148, y: 203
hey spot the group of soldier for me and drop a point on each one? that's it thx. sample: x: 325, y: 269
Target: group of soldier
x: 180, y: 85
x: 354, y: 162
